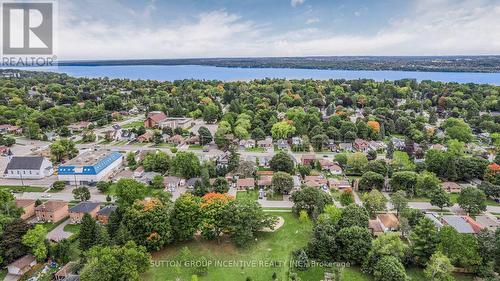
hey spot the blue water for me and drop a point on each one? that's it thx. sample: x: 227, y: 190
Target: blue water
x: 177, y: 72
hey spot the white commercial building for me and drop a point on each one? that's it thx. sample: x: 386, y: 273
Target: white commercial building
x: 90, y: 167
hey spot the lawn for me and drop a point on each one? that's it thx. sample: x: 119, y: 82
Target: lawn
x: 133, y: 124
x: 250, y: 194
x: 112, y: 190
x: 269, y: 254
x: 73, y: 228
x: 454, y: 199
x: 255, y: 149
x: 195, y: 147
x: 26, y: 188
x: 3, y: 273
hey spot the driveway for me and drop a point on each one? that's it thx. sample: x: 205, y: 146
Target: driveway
x: 57, y: 234
x: 11, y: 277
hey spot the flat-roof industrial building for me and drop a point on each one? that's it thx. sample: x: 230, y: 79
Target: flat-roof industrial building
x: 90, y: 167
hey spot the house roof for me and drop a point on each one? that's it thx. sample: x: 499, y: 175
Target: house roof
x: 487, y: 222
x: 375, y: 226
x: 171, y: 179
x: 106, y: 211
x: 388, y: 220
x: 245, y: 182
x: 192, y: 181
x: 84, y: 207
x: 459, y: 223
x: 25, y: 163
x: 157, y: 116
x: 265, y: 180
x: 21, y: 203
x: 449, y: 185
x: 23, y: 262
x: 52, y: 205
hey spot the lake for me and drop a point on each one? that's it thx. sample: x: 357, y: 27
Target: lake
x: 178, y: 72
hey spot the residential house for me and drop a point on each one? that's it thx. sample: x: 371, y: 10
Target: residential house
x: 245, y: 183
x: 247, y: 143
x: 154, y: 119
x: 346, y: 146
x: 462, y: 224
x: 282, y: 144
x: 266, y: 143
x: 316, y: 181
x: 28, y: 206
x: 451, y: 187
x: 190, y: 183
x: 104, y: 213
x: 398, y: 144
x: 328, y: 165
x: 361, y: 145
x: 194, y: 140
x: 308, y: 159
x: 172, y: 182
x: 177, y: 140
x: 78, y: 127
x: 222, y: 160
x: 264, y: 182
x: 146, y: 137
x: 488, y: 221
x: 438, y: 146
x: 383, y: 223
x: 339, y: 184
x: 28, y: 167
x: 147, y: 177
x: 76, y: 213
x: 65, y: 271
x: 331, y: 145
x: 21, y: 265
x: 264, y: 173
x: 4, y: 150
x: 52, y: 211
x: 139, y: 172
x: 377, y: 145
x: 297, y: 141
x: 128, y: 135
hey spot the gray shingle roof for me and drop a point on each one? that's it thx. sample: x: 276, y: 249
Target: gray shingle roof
x: 459, y: 224
x: 106, y: 211
x: 25, y: 163
x: 84, y: 207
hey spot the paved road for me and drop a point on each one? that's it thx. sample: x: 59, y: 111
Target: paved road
x: 455, y: 208
x: 57, y: 234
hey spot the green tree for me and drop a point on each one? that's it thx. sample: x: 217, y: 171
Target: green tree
x: 440, y: 199
x: 472, y: 200
x: 81, y: 193
x: 148, y: 222
x: 91, y: 233
x: 245, y: 218
x: 186, y: 165
x: 424, y: 240
x: 439, y: 268
x: 282, y: 130
x: 374, y: 202
x: 221, y: 185
x: 282, y: 183
x: 371, y: 180
x: 157, y: 182
x: 354, y: 215
x: 399, y: 201
x: 129, y: 190
x: 406, y: 181
x: 186, y: 217
x: 389, y: 269
x: 205, y: 135
x: 311, y: 200
x: 356, y: 162
x: 426, y: 184
x: 281, y: 161
x: 387, y: 244
x: 354, y: 243
x: 131, y: 162
x: 35, y: 240
x: 103, y: 186
x: 116, y: 263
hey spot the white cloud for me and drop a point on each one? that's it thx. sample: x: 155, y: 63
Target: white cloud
x: 312, y: 21
x: 437, y: 27
x: 296, y: 3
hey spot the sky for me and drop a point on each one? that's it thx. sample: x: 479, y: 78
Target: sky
x: 135, y: 29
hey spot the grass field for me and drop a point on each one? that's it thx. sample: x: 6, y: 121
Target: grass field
x: 250, y: 194
x: 254, y: 262
x: 18, y: 188
x: 454, y: 199
x: 133, y: 124
x: 255, y: 149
